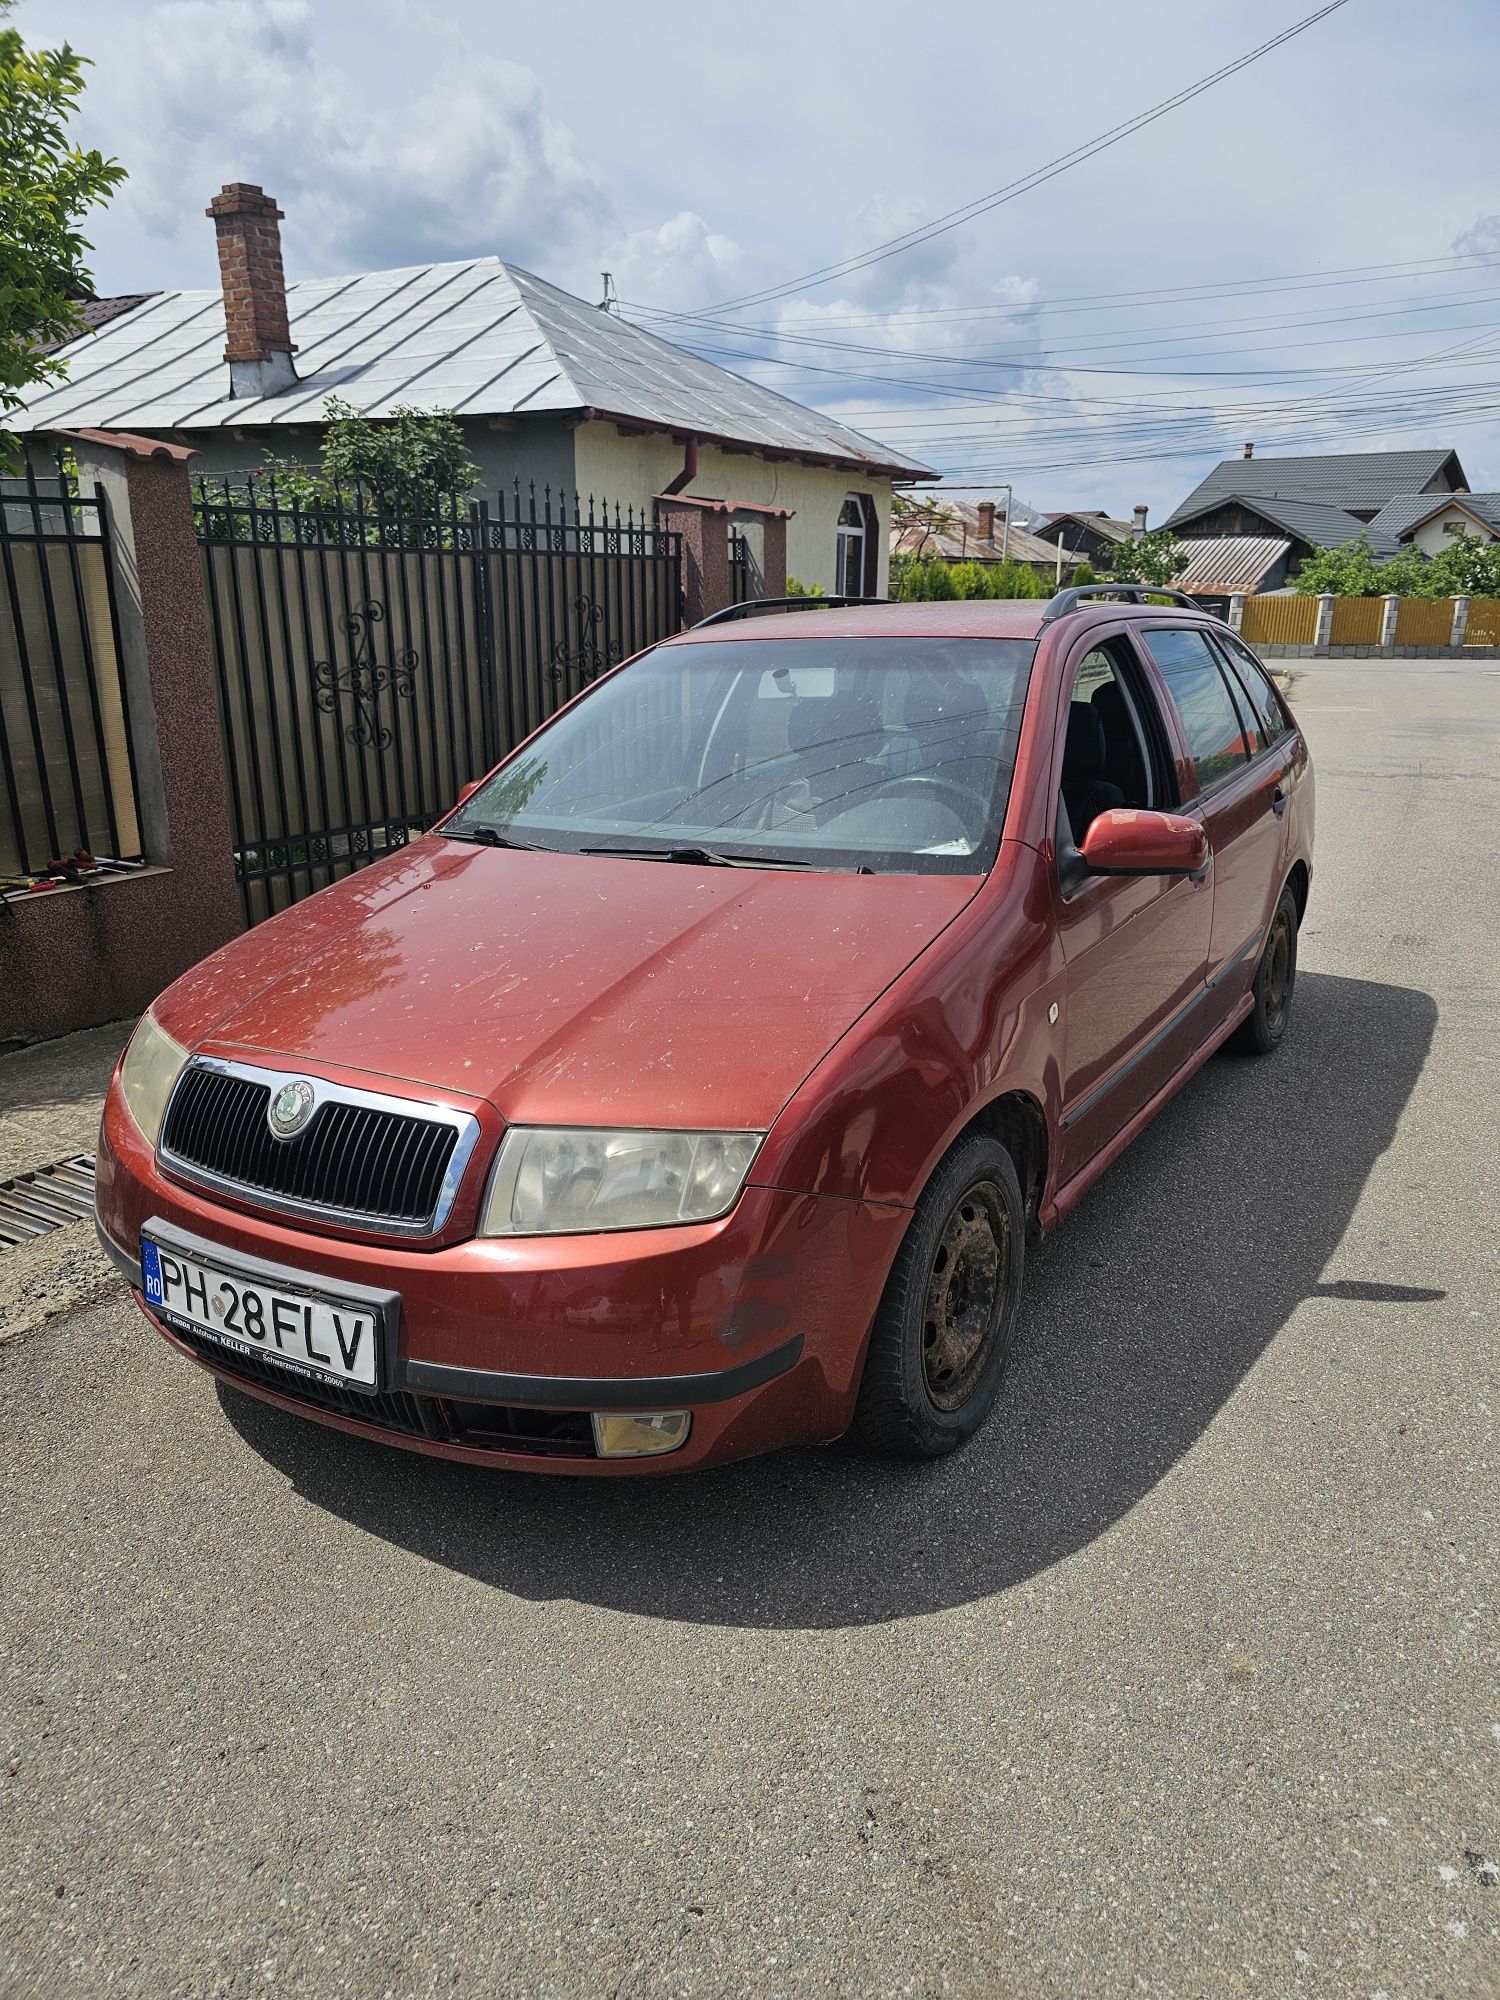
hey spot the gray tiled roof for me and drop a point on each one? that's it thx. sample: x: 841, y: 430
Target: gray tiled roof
x: 480, y: 338
x: 1337, y: 479
x: 1311, y: 521
x: 1399, y: 516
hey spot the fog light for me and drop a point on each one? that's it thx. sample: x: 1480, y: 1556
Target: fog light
x: 638, y: 1436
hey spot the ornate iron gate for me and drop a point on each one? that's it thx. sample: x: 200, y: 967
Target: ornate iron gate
x: 371, y: 660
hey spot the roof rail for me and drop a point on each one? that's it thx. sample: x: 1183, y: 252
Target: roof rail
x: 753, y: 607
x: 1134, y: 593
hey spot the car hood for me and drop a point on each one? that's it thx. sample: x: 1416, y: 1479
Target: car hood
x: 568, y: 989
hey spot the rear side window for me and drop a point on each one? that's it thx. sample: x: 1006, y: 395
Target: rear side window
x: 1216, y: 735
x: 1260, y: 688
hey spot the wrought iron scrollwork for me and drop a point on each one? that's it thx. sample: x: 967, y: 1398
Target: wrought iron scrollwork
x: 365, y: 679
x: 591, y: 659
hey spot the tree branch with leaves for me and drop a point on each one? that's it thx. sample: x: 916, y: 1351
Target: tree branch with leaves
x: 47, y: 186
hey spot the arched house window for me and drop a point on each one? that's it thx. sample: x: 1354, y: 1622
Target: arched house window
x: 854, y: 571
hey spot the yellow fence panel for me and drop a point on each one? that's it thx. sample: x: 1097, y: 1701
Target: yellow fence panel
x: 1424, y: 621
x: 1357, y: 621
x: 1280, y: 621
x: 1483, y: 628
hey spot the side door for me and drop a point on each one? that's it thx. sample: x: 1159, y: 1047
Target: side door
x: 1240, y: 770
x: 1136, y: 947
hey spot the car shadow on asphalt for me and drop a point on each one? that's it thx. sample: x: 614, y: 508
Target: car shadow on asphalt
x: 1143, y: 1314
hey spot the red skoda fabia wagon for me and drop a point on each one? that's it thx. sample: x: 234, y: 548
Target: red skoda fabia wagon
x: 696, y: 1086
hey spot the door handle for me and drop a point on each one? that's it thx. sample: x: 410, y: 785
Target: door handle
x: 1279, y: 802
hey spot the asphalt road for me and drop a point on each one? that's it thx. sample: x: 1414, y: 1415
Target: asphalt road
x: 1180, y: 1681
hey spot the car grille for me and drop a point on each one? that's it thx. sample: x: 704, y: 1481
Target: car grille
x: 355, y: 1161
x: 486, y: 1426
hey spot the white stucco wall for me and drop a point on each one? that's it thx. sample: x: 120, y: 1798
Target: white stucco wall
x: 632, y: 468
x: 1431, y: 538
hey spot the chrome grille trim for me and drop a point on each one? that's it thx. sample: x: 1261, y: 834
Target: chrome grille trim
x: 463, y: 1123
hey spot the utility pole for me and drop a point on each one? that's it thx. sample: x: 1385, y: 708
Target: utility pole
x: 1005, y: 538
x: 1060, y: 534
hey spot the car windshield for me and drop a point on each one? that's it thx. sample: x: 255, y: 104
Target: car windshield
x: 891, y: 754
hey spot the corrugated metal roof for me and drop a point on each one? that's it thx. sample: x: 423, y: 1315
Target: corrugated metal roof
x: 481, y: 338
x: 1229, y: 563
x: 1337, y: 479
x: 964, y: 543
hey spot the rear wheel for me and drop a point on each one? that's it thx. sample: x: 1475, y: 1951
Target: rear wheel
x: 1264, y: 1026
x: 942, y: 1336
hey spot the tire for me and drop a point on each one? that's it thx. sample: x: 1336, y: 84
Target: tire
x: 1264, y: 1027
x: 941, y: 1341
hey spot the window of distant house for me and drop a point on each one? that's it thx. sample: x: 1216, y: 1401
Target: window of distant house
x: 852, y: 532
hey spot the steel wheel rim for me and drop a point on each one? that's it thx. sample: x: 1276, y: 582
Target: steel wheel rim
x: 1277, y: 989
x: 967, y: 1283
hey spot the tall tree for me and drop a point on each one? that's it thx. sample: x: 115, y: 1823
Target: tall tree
x: 47, y: 186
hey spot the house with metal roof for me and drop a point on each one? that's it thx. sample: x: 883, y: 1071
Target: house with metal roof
x: 1356, y: 482
x: 548, y: 389
x: 1088, y: 534
x: 1427, y: 520
x: 976, y: 531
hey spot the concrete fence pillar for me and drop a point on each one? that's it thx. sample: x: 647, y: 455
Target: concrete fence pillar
x: 1237, y: 612
x: 773, y: 555
x: 704, y: 528
x: 1323, y: 630
x: 1389, y: 613
x: 77, y: 956
x: 1460, y: 621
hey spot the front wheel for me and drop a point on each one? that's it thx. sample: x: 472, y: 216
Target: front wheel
x: 1264, y: 1026
x: 942, y: 1335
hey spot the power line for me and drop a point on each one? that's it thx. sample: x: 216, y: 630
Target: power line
x: 1229, y: 288
x: 955, y: 218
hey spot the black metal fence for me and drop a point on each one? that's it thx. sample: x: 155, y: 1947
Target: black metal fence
x: 373, y: 658
x: 67, y: 765
x: 745, y: 580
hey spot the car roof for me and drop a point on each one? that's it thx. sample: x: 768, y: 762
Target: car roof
x: 951, y: 618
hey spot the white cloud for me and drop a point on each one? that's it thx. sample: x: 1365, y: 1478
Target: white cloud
x: 212, y: 90
x: 681, y: 266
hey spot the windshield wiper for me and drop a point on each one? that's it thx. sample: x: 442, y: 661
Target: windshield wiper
x: 704, y: 857
x: 490, y: 836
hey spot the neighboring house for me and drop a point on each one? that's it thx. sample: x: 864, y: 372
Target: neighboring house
x: 548, y: 389
x: 976, y: 533
x: 1323, y: 500
x: 1356, y: 482
x: 1429, y: 521
x: 1091, y: 535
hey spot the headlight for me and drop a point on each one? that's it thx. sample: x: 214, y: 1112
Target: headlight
x: 572, y: 1182
x: 153, y: 1062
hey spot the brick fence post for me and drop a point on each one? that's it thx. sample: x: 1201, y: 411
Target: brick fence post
x: 704, y: 528
x: 98, y: 952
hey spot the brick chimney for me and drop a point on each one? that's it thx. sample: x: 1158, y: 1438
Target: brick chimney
x: 259, y: 347
x: 986, y: 520
x: 1138, y: 525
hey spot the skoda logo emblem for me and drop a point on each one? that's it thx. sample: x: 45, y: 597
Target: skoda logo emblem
x: 290, y: 1108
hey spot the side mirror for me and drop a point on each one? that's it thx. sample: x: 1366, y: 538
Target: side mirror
x: 1129, y: 842
x: 467, y: 791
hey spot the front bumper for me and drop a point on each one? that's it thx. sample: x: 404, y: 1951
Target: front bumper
x: 756, y: 1323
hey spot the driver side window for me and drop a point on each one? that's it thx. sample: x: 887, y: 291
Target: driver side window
x: 1106, y: 762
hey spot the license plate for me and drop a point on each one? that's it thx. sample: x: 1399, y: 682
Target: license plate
x: 298, y: 1332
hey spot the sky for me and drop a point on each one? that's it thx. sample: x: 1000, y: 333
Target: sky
x: 1307, y: 255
